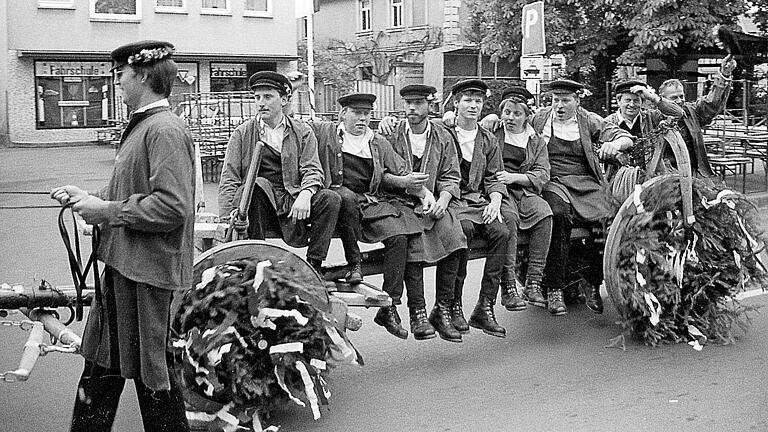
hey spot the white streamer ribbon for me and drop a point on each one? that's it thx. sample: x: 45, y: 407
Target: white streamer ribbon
x: 654, y: 307
x: 309, y: 388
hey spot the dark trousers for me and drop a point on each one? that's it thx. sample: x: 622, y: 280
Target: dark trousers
x: 98, y: 394
x: 323, y: 215
x: 496, y: 234
x: 538, y: 249
x: 348, y: 225
x: 397, y: 271
x: 558, y: 272
x: 445, y: 275
x: 512, y: 220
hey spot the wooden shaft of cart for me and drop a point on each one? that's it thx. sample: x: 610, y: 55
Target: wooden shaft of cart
x: 245, y: 198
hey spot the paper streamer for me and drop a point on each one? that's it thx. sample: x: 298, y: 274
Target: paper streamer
x: 287, y: 347
x: 636, y: 199
x: 270, y: 313
x: 654, y: 307
x: 309, y: 388
x: 206, y: 277
x: 259, y: 277
x: 281, y: 383
x: 640, y: 256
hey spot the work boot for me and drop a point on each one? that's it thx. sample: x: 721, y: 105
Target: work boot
x: 572, y: 294
x: 388, y: 318
x: 532, y: 293
x: 556, y: 305
x: 440, y: 318
x: 420, y: 326
x: 355, y: 274
x: 457, y: 317
x: 510, y: 299
x: 484, y: 318
x: 594, y: 301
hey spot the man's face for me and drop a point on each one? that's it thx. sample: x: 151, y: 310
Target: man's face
x: 270, y: 103
x: 513, y: 116
x: 629, y: 105
x: 564, y: 105
x: 129, y: 84
x: 416, y: 110
x: 469, y: 105
x: 356, y: 120
x: 675, y: 94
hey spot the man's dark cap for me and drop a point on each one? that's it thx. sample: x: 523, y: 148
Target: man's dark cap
x: 565, y: 86
x: 418, y: 91
x: 358, y: 100
x: 517, y: 94
x: 270, y: 79
x: 469, y: 85
x: 141, y: 53
x: 623, y: 87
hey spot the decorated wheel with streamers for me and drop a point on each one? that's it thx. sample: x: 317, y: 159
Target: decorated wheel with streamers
x: 675, y: 274
x: 254, y: 332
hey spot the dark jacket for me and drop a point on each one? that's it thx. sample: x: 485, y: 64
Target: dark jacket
x: 299, y: 156
x: 486, y: 162
x: 439, y: 159
x: 536, y: 163
x: 149, y: 235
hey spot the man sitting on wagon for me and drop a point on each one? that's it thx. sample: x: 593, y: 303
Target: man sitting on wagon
x: 289, y: 190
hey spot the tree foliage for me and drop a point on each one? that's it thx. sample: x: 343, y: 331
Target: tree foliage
x: 596, y: 35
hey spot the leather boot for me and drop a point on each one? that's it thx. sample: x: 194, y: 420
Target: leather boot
x: 594, y: 301
x: 510, y: 299
x: 484, y: 318
x: 532, y: 293
x: 440, y: 318
x: 355, y: 274
x: 457, y: 317
x: 388, y: 318
x: 420, y: 326
x: 556, y: 304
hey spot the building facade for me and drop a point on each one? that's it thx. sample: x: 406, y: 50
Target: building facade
x: 388, y: 44
x: 55, y: 81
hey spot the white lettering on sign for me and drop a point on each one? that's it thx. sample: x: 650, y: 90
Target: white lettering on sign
x: 77, y: 69
x: 228, y: 70
x: 533, y: 29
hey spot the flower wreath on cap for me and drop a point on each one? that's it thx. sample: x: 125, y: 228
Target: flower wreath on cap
x: 149, y: 55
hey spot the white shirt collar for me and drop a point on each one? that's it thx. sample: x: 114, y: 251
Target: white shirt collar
x: 521, y: 139
x: 467, y: 142
x: 630, y: 123
x: 274, y: 136
x: 357, y: 145
x: 147, y: 107
x: 567, y: 130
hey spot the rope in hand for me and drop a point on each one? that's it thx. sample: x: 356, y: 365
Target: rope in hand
x: 80, y: 274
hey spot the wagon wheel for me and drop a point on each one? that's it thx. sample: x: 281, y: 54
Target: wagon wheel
x: 674, y: 140
x: 248, y: 249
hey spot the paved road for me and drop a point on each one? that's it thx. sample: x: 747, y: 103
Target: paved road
x: 548, y: 374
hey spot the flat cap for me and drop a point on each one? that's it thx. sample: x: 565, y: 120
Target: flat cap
x: 270, y: 79
x: 418, y: 91
x: 624, y: 87
x: 517, y: 94
x: 141, y: 53
x: 565, y: 86
x: 358, y: 100
x: 470, y: 85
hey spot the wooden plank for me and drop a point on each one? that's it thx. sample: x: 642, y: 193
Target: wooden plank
x: 354, y: 299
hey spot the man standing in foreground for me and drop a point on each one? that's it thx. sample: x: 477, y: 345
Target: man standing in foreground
x: 146, y: 218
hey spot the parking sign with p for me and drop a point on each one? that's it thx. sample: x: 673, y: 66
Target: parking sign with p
x: 533, y: 29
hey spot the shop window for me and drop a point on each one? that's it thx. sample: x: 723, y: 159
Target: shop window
x: 229, y: 77
x: 73, y: 94
x: 216, y: 7
x: 171, y: 6
x: 56, y: 4
x: 303, y: 28
x: 365, y: 15
x: 366, y: 73
x: 396, y: 13
x: 115, y: 10
x: 186, y: 82
x: 419, y: 13
x: 258, y: 8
